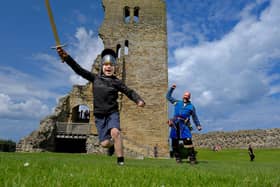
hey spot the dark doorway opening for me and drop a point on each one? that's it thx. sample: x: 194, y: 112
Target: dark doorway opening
x: 67, y: 145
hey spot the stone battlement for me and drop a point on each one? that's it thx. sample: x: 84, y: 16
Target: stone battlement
x: 268, y: 138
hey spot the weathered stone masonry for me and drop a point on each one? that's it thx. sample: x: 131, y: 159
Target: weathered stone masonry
x: 259, y: 138
x: 136, y: 30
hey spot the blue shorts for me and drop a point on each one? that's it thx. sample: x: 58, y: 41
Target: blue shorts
x: 104, y: 123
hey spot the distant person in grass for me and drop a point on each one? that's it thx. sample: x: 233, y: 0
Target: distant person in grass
x: 251, y: 153
x: 181, y: 126
x: 106, y: 111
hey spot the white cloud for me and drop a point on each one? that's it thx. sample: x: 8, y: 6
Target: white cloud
x: 85, y: 50
x: 28, y: 109
x: 232, y: 74
x: 22, y: 85
x: 31, y: 96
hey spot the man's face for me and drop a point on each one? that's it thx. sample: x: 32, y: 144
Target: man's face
x: 187, y: 96
x: 108, y: 69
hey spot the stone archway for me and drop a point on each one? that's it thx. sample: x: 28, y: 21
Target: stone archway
x: 80, y: 114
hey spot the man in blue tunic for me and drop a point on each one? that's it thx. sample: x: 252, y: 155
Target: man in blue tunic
x: 181, y: 126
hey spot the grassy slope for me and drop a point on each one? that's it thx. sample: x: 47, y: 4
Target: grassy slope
x: 224, y: 168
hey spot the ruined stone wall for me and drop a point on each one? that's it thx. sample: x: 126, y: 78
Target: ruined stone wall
x: 268, y: 138
x: 43, y: 139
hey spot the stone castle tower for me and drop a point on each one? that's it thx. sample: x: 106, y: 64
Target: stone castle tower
x: 136, y: 30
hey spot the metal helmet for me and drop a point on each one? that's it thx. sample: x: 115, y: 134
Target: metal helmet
x: 108, y: 55
x: 108, y: 58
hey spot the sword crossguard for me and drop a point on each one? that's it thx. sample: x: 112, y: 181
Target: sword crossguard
x: 57, y: 46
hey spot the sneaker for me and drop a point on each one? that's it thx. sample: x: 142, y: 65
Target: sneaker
x: 193, y: 162
x: 111, y: 151
x: 178, y: 161
x: 121, y: 163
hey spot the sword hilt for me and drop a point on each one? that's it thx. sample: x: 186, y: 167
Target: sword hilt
x: 57, y: 46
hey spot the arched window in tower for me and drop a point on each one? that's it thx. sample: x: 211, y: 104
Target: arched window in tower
x: 126, y: 14
x: 136, y: 15
x: 126, y: 47
x: 118, y: 50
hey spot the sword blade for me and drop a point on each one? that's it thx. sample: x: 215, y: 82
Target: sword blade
x: 57, y: 41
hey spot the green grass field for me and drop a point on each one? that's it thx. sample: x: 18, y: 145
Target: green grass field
x: 224, y: 168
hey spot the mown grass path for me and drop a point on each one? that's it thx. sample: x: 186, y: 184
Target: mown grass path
x: 224, y: 168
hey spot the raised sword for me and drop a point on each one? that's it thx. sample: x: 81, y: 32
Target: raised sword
x: 54, y: 30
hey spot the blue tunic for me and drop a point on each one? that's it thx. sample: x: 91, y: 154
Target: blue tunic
x: 182, y: 112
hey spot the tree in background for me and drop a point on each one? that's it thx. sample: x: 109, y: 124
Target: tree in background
x: 7, y: 146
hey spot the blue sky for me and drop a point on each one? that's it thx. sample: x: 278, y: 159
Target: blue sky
x: 226, y: 53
